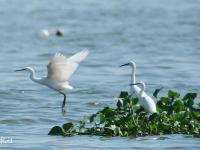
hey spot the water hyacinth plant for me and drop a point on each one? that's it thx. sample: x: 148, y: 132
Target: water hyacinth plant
x: 175, y: 115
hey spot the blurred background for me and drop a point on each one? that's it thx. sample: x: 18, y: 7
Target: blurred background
x: 162, y: 37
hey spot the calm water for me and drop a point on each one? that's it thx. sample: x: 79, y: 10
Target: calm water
x: 162, y: 37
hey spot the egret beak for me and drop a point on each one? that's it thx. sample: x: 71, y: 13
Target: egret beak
x: 20, y: 70
x: 124, y: 65
x: 135, y: 83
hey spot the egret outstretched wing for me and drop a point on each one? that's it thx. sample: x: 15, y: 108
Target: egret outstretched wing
x: 61, y: 68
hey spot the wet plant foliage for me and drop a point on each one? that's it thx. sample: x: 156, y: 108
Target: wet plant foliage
x: 175, y: 115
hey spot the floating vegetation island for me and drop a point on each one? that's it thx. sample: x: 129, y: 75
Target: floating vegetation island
x: 175, y: 115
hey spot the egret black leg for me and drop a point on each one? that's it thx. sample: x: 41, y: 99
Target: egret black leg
x: 63, y: 104
x: 64, y: 101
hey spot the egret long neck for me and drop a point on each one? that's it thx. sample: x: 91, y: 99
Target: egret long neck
x: 32, y: 76
x: 143, y: 88
x: 133, y: 77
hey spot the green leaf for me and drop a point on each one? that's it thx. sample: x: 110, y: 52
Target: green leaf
x: 196, y: 114
x: 153, y: 128
x: 67, y: 126
x: 81, y: 124
x: 135, y: 101
x: 165, y: 100
x: 178, y: 106
x: 189, y: 99
x: 119, y: 103
x: 165, y: 127
x: 178, y: 116
x: 56, y: 130
x: 173, y: 94
x: 189, y: 96
x: 123, y: 94
x: 165, y: 105
x: 189, y: 103
x: 155, y: 94
x: 108, y: 112
x: 102, y: 118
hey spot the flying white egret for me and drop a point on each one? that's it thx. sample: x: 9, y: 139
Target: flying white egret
x: 145, y: 101
x: 133, y: 87
x: 60, y: 70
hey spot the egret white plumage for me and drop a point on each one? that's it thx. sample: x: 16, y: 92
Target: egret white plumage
x: 133, y: 87
x: 145, y: 101
x: 60, y: 69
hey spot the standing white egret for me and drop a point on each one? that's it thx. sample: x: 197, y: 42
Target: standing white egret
x: 133, y: 87
x: 60, y: 70
x: 145, y: 101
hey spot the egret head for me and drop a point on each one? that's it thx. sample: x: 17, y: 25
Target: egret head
x: 131, y: 63
x: 29, y: 69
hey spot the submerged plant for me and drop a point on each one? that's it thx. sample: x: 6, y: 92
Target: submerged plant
x: 175, y: 116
